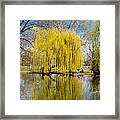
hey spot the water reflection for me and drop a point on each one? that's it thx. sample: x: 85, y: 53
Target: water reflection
x: 59, y: 87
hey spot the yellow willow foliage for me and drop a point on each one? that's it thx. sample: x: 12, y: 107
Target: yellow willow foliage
x: 56, y: 51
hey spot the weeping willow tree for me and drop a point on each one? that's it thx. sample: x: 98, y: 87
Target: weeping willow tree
x: 56, y: 50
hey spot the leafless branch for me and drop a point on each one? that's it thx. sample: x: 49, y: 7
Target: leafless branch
x: 21, y: 22
x: 24, y: 26
x: 23, y: 38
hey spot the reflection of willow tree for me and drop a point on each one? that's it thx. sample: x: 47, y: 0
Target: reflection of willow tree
x: 56, y: 51
x: 63, y: 88
x: 93, y: 38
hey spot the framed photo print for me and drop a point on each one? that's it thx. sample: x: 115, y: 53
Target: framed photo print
x: 59, y: 59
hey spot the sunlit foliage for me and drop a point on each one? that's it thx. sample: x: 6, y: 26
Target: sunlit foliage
x: 57, y: 51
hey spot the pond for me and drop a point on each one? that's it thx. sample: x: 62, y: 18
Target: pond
x: 59, y: 87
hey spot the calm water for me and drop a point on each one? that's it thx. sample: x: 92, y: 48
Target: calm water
x: 57, y: 87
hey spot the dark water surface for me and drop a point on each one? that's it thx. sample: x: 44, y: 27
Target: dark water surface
x: 59, y: 87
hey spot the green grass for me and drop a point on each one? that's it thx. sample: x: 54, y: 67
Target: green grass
x: 25, y: 68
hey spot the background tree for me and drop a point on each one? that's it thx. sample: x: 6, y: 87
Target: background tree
x: 93, y: 39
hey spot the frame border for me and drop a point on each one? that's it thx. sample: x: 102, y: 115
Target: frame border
x: 2, y: 60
